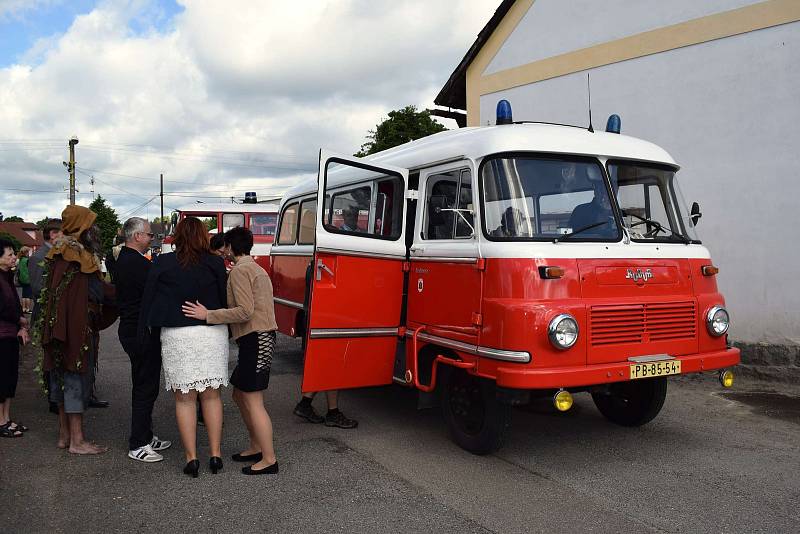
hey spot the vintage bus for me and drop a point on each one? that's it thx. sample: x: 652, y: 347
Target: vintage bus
x: 493, y: 264
x: 261, y: 218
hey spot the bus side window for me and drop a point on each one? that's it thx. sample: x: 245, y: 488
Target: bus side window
x: 288, y: 225
x: 308, y: 216
x: 232, y: 220
x: 263, y: 224
x: 446, y: 193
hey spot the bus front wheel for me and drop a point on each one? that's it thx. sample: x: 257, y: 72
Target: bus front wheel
x: 632, y: 403
x: 476, y: 419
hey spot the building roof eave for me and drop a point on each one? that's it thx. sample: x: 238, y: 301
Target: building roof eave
x: 454, y: 93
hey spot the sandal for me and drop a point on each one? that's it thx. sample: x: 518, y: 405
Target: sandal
x: 17, y: 426
x: 6, y: 432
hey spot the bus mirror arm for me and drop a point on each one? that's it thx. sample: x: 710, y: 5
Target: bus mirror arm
x: 460, y: 213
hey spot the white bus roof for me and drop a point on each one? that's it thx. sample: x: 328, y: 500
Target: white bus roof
x: 477, y: 142
x: 261, y: 207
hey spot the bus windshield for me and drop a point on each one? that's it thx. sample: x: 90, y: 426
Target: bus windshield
x: 651, y: 202
x: 537, y: 198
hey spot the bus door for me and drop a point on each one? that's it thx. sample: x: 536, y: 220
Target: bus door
x: 356, y: 275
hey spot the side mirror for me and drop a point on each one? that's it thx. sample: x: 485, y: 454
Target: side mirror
x: 695, y: 213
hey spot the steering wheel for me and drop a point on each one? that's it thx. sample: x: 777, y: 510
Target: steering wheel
x: 657, y: 228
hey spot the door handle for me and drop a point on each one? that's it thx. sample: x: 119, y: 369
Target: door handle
x: 417, y: 249
x: 322, y: 267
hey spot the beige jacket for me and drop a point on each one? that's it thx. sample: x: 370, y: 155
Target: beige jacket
x: 250, y: 305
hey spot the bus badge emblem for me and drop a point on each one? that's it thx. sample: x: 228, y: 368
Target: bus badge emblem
x: 419, y: 285
x: 639, y: 275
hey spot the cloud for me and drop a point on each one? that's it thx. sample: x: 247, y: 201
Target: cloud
x: 227, y: 96
x: 16, y: 8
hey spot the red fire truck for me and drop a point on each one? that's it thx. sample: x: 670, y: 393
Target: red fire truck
x: 494, y: 264
x: 260, y: 218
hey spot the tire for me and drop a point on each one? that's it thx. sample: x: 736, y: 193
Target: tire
x: 476, y: 420
x: 632, y: 403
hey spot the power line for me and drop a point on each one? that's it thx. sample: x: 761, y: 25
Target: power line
x: 98, y: 171
x: 265, y: 164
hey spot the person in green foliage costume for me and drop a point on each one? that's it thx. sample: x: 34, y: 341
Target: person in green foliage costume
x: 72, y: 315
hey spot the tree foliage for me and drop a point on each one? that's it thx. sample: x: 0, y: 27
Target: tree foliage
x: 40, y: 224
x: 13, y: 218
x: 107, y: 221
x: 402, y: 126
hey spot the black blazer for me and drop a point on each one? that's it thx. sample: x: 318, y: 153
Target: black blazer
x: 130, y: 278
x: 169, y: 285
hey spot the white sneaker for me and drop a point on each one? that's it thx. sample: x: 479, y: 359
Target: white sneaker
x: 159, y: 444
x: 145, y: 453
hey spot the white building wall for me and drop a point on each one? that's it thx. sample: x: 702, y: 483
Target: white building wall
x: 728, y: 112
x: 554, y: 27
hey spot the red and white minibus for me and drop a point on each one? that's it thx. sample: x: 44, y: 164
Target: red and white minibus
x: 494, y: 264
x: 261, y: 218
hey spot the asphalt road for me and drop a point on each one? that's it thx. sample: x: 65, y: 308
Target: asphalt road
x: 708, y: 463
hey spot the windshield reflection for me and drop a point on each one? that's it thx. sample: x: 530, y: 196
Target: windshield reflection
x: 543, y: 198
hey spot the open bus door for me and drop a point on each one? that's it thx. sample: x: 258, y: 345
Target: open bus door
x: 356, y: 275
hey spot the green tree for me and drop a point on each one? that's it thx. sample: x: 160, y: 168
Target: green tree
x: 13, y: 218
x: 9, y: 237
x: 42, y: 223
x: 402, y: 126
x: 107, y: 221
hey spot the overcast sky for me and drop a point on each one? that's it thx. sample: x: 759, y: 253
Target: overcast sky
x: 222, y: 96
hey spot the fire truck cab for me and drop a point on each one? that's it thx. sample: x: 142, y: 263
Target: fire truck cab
x: 261, y: 218
x: 493, y: 264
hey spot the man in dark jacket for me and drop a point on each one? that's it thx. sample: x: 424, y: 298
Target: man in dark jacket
x: 130, y: 275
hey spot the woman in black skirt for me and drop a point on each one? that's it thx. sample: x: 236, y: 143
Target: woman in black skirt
x: 13, y: 331
x: 251, y: 316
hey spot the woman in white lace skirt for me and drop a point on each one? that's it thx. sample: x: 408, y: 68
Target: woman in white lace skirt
x: 194, y: 355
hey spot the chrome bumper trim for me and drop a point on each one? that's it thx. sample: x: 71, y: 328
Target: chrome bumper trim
x: 332, y: 333
x: 486, y: 352
x: 289, y: 303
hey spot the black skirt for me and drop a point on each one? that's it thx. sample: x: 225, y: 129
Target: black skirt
x: 9, y: 367
x: 255, y: 361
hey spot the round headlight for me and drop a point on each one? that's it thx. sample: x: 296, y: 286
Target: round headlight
x: 563, y: 331
x: 717, y: 321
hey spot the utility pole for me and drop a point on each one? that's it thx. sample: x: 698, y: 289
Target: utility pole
x: 71, y: 167
x: 161, y: 220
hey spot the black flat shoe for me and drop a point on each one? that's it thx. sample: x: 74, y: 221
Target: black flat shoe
x: 255, y: 457
x: 94, y: 402
x: 215, y: 464
x: 192, y: 468
x: 269, y: 470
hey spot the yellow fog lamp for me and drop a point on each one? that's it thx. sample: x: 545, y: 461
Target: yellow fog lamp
x: 562, y: 400
x: 726, y: 378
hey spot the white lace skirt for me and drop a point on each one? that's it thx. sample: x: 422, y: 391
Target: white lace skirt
x: 195, y: 357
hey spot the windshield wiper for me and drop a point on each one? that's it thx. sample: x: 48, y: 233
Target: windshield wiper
x: 658, y: 227
x: 578, y: 231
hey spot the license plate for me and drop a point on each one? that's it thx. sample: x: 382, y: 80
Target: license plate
x: 653, y: 369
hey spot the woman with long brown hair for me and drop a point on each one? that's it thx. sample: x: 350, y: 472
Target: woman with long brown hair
x: 194, y: 354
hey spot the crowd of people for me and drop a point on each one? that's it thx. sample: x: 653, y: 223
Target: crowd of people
x: 176, y: 314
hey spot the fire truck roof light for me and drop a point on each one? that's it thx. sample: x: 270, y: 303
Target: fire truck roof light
x: 614, y: 124
x: 504, y: 115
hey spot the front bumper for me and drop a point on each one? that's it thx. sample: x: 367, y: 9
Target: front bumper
x: 587, y: 375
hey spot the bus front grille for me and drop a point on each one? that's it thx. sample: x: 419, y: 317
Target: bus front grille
x: 642, y: 323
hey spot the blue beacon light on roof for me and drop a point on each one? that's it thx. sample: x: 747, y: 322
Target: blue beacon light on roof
x: 504, y: 113
x: 614, y: 124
